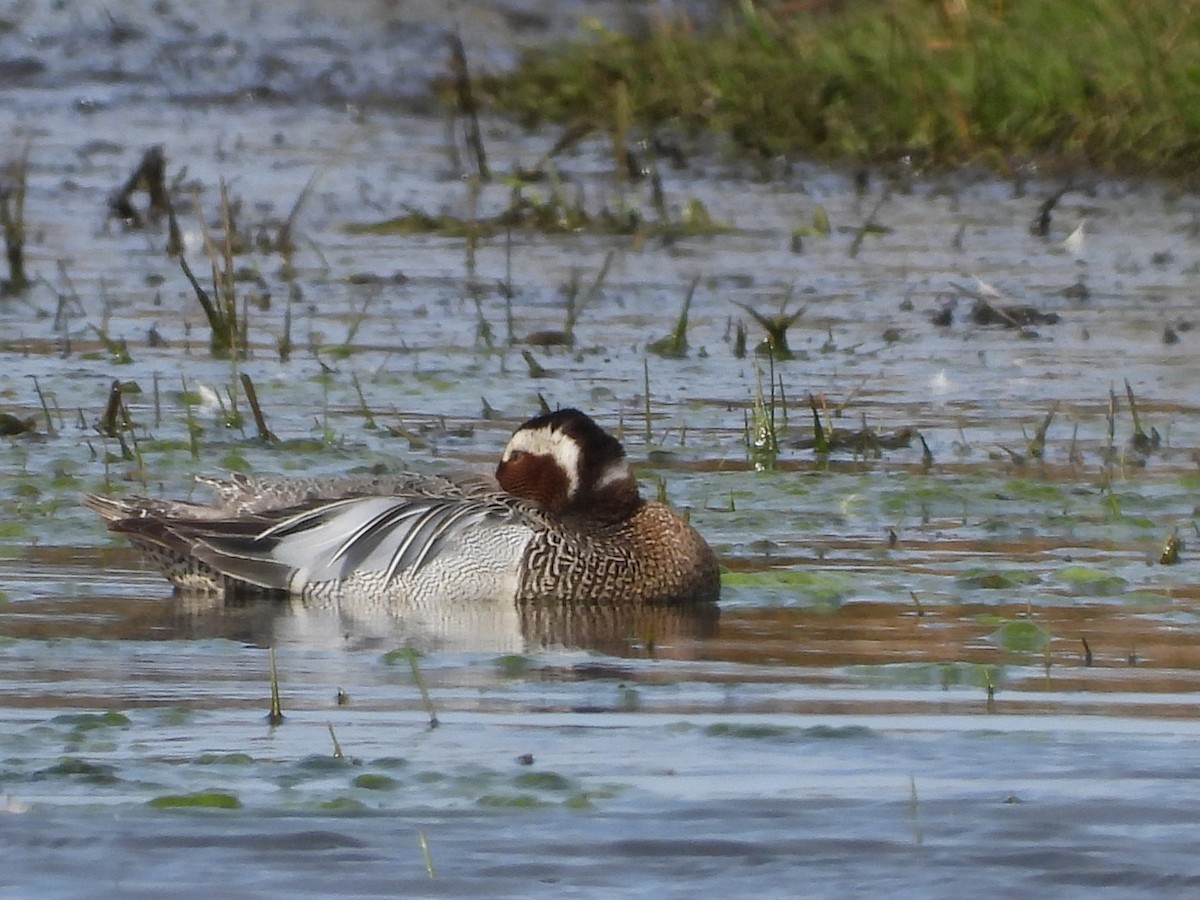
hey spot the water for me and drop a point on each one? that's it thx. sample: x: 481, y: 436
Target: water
x: 924, y: 679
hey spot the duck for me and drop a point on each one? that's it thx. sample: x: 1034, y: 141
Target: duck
x: 561, y: 520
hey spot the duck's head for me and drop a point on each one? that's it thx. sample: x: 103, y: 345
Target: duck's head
x: 570, y: 465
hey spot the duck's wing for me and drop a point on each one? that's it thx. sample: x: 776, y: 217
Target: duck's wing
x: 329, y: 541
x: 114, y: 509
x: 243, y: 494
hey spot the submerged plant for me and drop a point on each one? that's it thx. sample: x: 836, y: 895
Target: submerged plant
x: 649, y: 419
x: 536, y: 369
x: 1171, y: 550
x: 118, y: 424
x: 1141, y: 441
x: 413, y: 659
x: 275, y: 713
x: 337, y: 748
x: 150, y: 177
x: 1037, y: 445
x: 260, y: 421
x: 762, y: 435
x: 775, y: 344
x: 12, y: 222
x: 227, y: 330
x: 466, y: 105
x: 675, y: 345
x: 820, y: 438
x: 425, y: 854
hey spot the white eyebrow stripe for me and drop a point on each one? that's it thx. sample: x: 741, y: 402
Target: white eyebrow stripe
x: 560, y: 447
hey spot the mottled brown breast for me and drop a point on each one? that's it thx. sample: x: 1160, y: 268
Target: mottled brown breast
x: 654, y: 556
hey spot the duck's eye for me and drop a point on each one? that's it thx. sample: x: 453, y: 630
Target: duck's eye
x: 514, y: 455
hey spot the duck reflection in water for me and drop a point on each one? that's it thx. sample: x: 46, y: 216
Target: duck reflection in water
x: 499, y: 627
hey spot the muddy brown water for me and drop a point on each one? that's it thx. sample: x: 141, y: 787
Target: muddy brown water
x: 924, y: 680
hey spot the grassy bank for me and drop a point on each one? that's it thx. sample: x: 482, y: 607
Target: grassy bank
x: 1111, y: 85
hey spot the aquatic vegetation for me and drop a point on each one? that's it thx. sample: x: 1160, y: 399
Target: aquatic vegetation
x: 196, y: 800
x: 818, y: 228
x: 550, y: 213
x: 1022, y: 636
x: 775, y: 344
x: 343, y: 806
x: 919, y: 82
x: 675, y: 345
x: 150, y: 177
x: 510, y: 801
x: 942, y: 675
x: 228, y: 327
x: 466, y: 105
x: 1091, y: 581
x: 823, y: 588
x: 1171, y: 550
x: 91, y: 721
x: 513, y: 666
x: 13, y: 186
x: 275, y: 713
x: 543, y: 781
x: 865, y: 442
x: 374, y: 781
x: 1141, y: 441
x: 996, y: 580
x: 82, y: 770
x: 260, y: 420
x: 411, y: 658
x: 224, y: 759
x: 762, y: 426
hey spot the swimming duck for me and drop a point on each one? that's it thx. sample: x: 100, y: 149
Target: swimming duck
x: 562, y: 520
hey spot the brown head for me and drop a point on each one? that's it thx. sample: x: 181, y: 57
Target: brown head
x: 571, y: 466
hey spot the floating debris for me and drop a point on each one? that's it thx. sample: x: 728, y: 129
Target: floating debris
x: 944, y: 317
x: 1078, y: 292
x: 550, y: 337
x: 1015, y: 316
x: 14, y: 426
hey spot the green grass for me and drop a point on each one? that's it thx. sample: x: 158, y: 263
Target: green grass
x: 1105, y: 84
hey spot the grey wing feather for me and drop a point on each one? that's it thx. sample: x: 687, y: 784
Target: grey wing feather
x: 368, y: 534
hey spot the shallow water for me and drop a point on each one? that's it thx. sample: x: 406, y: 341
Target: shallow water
x: 925, y: 679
